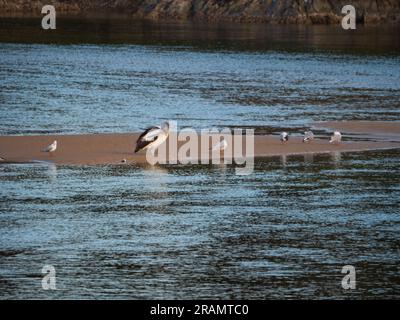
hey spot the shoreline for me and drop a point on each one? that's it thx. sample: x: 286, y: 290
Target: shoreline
x: 112, y: 148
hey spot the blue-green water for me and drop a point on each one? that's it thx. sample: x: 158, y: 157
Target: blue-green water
x: 284, y: 231
x: 123, y: 88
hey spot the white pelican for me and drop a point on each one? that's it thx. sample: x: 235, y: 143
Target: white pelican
x: 222, y: 145
x: 284, y: 136
x: 152, y: 137
x: 336, y: 138
x: 51, y: 148
x: 308, y: 136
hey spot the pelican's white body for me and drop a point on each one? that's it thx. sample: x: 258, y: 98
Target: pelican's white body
x: 162, y: 136
x: 156, y: 136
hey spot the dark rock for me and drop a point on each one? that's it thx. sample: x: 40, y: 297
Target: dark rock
x: 273, y: 11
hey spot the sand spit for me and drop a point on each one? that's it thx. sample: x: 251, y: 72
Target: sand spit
x: 102, y: 149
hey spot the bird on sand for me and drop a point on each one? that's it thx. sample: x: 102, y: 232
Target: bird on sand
x: 284, y: 136
x: 336, y: 137
x: 51, y: 148
x: 220, y: 146
x: 308, y: 136
x: 152, y: 137
x: 2, y: 159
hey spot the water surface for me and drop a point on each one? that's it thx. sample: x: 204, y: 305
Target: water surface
x: 285, y: 231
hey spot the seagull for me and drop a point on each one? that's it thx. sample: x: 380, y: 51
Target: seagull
x: 308, y: 136
x: 336, y: 138
x: 152, y: 137
x: 222, y: 145
x: 284, y: 136
x: 2, y: 159
x: 51, y: 148
x: 123, y: 161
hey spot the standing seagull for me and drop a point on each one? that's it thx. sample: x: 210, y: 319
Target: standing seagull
x: 222, y: 145
x: 51, y: 148
x: 308, y: 136
x: 284, y: 136
x: 336, y: 138
x: 152, y: 137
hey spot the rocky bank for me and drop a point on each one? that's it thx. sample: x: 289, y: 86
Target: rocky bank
x: 270, y: 11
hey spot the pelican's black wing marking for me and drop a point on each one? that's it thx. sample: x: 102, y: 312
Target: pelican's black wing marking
x: 141, y: 143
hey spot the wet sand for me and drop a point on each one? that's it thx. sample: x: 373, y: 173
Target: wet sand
x: 101, y: 149
x: 387, y: 128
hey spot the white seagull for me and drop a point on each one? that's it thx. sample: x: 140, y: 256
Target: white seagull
x: 51, y: 148
x: 222, y: 145
x: 308, y: 136
x: 336, y: 138
x: 284, y: 136
x: 2, y: 159
x: 152, y: 137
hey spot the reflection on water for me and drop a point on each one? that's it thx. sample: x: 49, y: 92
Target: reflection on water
x: 52, y: 172
x: 308, y: 158
x: 283, y: 160
x: 204, y: 36
x: 336, y: 157
x: 201, y: 231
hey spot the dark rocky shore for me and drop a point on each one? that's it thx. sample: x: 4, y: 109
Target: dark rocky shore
x: 270, y: 11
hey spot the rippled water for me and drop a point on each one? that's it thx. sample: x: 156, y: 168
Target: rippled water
x: 97, y: 88
x: 202, y: 232
x: 285, y: 231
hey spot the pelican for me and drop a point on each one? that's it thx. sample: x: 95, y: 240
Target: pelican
x: 51, y: 148
x: 152, y: 137
x: 284, y: 136
x: 308, y: 136
x: 336, y: 137
x: 222, y: 145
